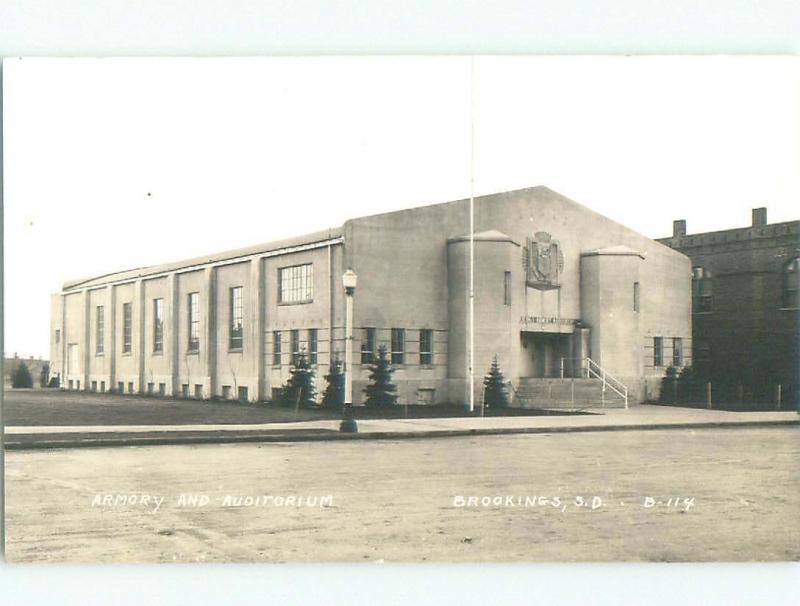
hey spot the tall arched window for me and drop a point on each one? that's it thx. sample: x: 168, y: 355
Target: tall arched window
x: 791, y: 284
x: 702, y: 290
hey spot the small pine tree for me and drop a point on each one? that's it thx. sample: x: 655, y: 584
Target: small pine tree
x: 494, y: 385
x: 333, y: 397
x: 381, y: 391
x: 300, y: 384
x: 22, y: 376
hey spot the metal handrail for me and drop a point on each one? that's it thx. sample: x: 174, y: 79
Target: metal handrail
x: 620, y: 388
x: 608, y: 375
x: 513, y: 389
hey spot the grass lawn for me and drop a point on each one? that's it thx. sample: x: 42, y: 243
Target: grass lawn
x: 54, y: 407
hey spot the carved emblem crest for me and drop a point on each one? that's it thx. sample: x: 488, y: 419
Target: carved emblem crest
x: 544, y: 261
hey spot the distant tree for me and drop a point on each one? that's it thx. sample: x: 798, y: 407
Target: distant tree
x: 381, y: 392
x: 333, y: 397
x: 300, y: 385
x: 22, y: 376
x: 494, y: 385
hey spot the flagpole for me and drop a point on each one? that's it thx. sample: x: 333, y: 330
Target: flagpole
x: 472, y: 234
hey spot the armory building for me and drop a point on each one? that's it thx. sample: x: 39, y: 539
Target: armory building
x: 555, y: 285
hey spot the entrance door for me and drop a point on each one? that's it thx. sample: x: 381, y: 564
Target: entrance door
x: 541, y: 354
x: 73, y: 357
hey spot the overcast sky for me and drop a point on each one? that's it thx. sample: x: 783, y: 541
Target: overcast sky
x: 119, y: 163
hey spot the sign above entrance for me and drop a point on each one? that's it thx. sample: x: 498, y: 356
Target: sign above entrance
x: 544, y: 261
x: 546, y: 324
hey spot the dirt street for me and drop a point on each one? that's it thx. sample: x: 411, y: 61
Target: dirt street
x: 678, y: 495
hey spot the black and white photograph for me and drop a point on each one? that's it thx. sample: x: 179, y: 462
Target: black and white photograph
x: 401, y: 309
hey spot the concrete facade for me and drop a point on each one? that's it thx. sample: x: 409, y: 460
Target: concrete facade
x: 554, y: 283
x: 746, y: 321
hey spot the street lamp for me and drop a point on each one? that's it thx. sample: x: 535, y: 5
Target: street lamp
x: 348, y: 424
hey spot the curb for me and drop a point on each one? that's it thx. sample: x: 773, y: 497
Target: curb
x: 220, y: 437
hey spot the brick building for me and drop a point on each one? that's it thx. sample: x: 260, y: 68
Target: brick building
x: 554, y: 284
x: 745, y: 307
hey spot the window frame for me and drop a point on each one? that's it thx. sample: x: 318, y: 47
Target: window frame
x: 295, y: 346
x: 100, y: 330
x: 158, y: 326
x: 701, y: 352
x: 193, y: 320
x: 426, y: 354
x: 658, y: 352
x: 677, y: 352
x: 368, y: 344
x: 277, y: 347
x: 398, y: 354
x: 296, y: 284
x: 127, y: 328
x: 313, y: 346
x: 236, y: 312
x: 790, y: 293
x: 702, y: 290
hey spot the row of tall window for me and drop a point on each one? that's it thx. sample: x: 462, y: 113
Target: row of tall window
x: 658, y: 352
x: 397, y: 346
x: 703, y: 287
x: 295, y: 285
x: 369, y: 350
x: 235, y: 328
x: 295, y: 348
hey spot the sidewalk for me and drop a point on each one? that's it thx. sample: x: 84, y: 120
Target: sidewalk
x: 636, y: 418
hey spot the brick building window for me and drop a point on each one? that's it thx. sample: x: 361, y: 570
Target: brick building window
x: 398, y: 346
x: 194, y: 321
x: 426, y: 347
x: 312, y: 345
x: 677, y: 352
x: 367, y: 345
x: 295, y: 284
x: 158, y: 325
x: 100, y: 330
x: 658, y: 351
x: 127, y: 327
x: 58, y: 336
x: 236, y: 310
x: 791, y: 284
x: 276, y: 347
x: 702, y: 290
x: 702, y: 352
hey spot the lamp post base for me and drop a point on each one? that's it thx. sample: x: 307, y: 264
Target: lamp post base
x: 348, y: 424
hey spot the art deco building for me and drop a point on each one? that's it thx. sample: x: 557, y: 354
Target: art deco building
x: 555, y: 285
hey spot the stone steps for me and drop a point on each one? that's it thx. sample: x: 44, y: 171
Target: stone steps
x: 564, y: 394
